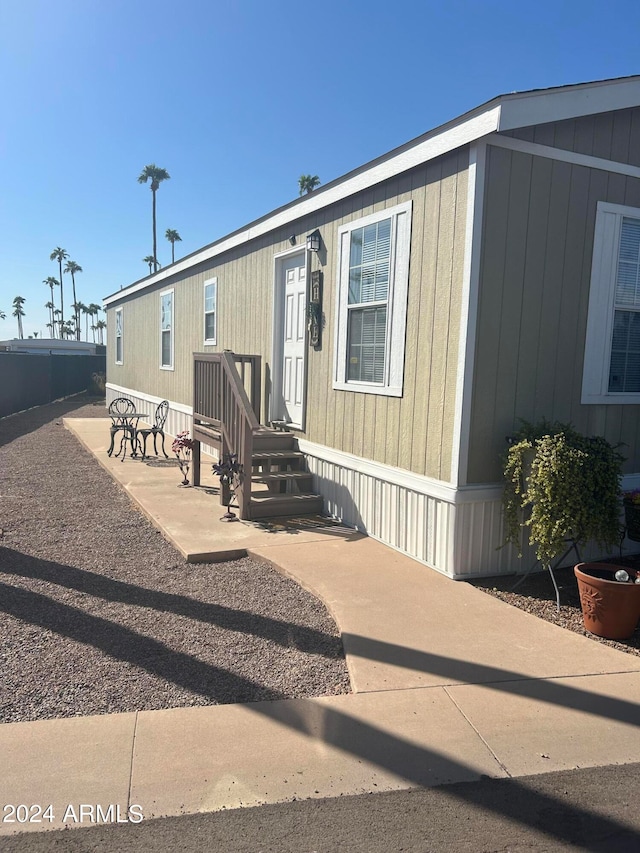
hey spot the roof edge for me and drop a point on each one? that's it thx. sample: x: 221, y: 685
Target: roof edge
x: 505, y: 112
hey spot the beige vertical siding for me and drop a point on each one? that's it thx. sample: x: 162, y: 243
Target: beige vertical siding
x: 534, y: 291
x: 414, y: 432
x: 612, y: 136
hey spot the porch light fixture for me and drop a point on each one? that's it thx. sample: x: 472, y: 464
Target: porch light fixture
x: 292, y: 239
x: 313, y: 241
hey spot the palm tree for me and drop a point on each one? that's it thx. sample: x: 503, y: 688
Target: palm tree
x: 156, y: 175
x: 100, y: 325
x: 68, y: 329
x: 85, y: 310
x: 151, y: 261
x: 18, y: 312
x: 173, y: 237
x: 93, y: 311
x: 50, y: 306
x: 72, y: 267
x: 308, y: 183
x: 77, y: 307
x: 51, y: 282
x: 60, y: 255
x: 2, y: 315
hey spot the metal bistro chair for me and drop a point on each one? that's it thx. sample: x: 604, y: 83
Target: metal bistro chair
x: 159, y: 420
x: 118, y: 411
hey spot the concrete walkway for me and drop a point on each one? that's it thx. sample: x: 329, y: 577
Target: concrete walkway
x: 449, y: 684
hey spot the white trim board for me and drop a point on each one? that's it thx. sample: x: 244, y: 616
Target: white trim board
x: 400, y: 477
x: 469, y: 313
x: 552, y: 153
x: 564, y: 102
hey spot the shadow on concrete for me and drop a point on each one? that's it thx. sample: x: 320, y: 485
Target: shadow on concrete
x: 415, y: 764
x: 546, y: 690
x: 559, y: 820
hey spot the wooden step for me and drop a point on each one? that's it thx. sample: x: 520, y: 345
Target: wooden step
x: 269, y: 439
x: 276, y: 455
x: 272, y: 506
x: 275, y: 476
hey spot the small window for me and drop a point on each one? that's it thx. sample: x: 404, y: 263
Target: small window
x: 118, y: 335
x: 166, y: 330
x: 210, y: 310
x: 372, y: 302
x: 612, y: 349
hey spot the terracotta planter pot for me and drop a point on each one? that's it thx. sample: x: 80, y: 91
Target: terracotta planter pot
x: 609, y: 609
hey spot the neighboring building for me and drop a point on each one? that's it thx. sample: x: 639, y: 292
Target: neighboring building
x: 51, y: 346
x: 484, y: 272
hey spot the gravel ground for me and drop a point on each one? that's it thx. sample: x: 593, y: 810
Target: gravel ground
x: 100, y: 614
x: 537, y: 596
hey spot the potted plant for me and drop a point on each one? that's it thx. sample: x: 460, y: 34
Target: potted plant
x: 610, y: 599
x: 182, y: 447
x: 562, y: 487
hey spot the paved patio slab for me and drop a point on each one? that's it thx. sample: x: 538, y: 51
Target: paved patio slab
x: 539, y: 726
x: 63, y: 763
x: 187, y: 517
x: 206, y: 759
x: 450, y: 684
x: 404, y: 625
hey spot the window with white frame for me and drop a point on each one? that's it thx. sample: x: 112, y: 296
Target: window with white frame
x: 612, y: 348
x: 210, y: 310
x: 373, y: 279
x: 118, y: 335
x: 166, y: 330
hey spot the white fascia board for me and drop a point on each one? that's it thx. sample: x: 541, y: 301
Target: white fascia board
x: 408, y: 157
x: 528, y: 108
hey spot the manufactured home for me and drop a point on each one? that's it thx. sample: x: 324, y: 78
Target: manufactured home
x: 375, y: 341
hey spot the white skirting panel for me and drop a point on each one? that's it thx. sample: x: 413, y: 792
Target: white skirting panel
x: 456, y: 531
x: 178, y: 419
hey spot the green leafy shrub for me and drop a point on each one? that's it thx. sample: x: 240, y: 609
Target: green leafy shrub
x: 561, y: 485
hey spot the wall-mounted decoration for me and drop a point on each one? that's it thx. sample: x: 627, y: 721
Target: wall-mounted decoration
x: 314, y: 309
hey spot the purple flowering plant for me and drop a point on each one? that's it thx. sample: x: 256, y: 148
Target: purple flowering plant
x: 632, y: 497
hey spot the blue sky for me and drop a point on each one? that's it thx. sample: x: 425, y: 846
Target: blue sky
x: 235, y: 100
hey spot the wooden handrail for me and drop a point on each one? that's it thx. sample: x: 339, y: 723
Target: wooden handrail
x: 220, y: 401
x: 238, y: 422
x: 206, y: 384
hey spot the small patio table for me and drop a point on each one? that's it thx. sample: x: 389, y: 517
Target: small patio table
x: 128, y: 423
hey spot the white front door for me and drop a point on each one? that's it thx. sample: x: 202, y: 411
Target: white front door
x: 293, y: 288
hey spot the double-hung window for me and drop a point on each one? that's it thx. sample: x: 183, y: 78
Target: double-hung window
x: 373, y: 282
x: 166, y: 330
x: 119, y: 336
x: 612, y: 350
x: 210, y: 310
